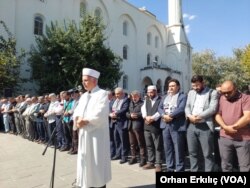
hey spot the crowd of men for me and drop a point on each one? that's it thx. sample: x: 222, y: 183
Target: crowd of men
x: 170, y: 127
x: 35, y: 118
x: 149, y: 130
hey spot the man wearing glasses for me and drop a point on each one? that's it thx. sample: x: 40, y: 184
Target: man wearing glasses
x: 172, y: 111
x: 233, y: 117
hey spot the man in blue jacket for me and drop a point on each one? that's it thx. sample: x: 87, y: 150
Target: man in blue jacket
x: 173, y: 124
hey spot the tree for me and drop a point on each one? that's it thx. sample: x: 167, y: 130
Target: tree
x: 9, y: 61
x: 59, y: 56
x: 205, y: 64
x: 218, y: 69
x: 245, y: 59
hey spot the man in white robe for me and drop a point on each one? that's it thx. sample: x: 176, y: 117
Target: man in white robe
x: 91, y: 117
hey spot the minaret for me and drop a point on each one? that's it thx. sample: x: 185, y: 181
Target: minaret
x: 175, y: 12
x: 178, y: 44
x: 177, y: 35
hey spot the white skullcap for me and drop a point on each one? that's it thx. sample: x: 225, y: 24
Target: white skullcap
x: 28, y: 100
x: 90, y: 72
x: 151, y: 87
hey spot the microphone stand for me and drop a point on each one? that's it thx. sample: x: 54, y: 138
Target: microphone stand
x: 53, y: 136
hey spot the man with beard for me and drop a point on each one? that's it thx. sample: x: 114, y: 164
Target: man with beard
x: 152, y: 130
x: 233, y: 117
x: 201, y: 105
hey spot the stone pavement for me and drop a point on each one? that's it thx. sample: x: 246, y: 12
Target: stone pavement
x: 22, y: 165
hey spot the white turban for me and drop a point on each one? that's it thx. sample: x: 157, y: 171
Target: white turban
x: 151, y: 87
x: 90, y: 72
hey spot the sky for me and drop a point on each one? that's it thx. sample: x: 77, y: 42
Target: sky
x: 217, y: 25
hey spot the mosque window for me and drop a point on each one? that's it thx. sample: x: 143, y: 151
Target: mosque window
x: 149, y: 39
x: 125, y: 28
x: 125, y: 82
x: 83, y: 10
x: 156, y: 42
x: 155, y: 62
x: 148, y: 59
x: 125, y: 52
x: 38, y: 25
x: 156, y: 58
x: 98, y: 14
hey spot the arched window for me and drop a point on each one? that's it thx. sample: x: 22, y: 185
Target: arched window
x: 38, y: 25
x: 98, y: 14
x: 125, y: 82
x: 83, y: 10
x: 156, y: 59
x: 125, y: 52
x: 156, y: 42
x: 148, y: 59
x: 148, y: 38
x: 125, y: 28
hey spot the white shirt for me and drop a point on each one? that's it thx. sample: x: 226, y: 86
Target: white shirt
x: 155, y: 116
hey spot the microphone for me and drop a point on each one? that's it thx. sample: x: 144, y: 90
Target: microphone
x: 77, y: 88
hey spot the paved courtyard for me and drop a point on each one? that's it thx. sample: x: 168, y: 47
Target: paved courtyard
x: 22, y: 165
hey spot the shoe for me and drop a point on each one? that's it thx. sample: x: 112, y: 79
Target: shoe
x: 64, y: 149
x: 59, y: 147
x: 116, y: 158
x: 148, y: 166
x: 169, y: 170
x: 142, y: 163
x: 123, y: 161
x: 158, y: 168
x: 45, y: 142
x: 132, y: 161
x: 70, y: 151
x: 73, y: 152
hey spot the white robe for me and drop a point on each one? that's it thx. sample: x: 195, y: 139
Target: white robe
x: 93, y: 161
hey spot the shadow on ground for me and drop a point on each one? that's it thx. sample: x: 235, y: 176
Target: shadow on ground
x: 145, y: 186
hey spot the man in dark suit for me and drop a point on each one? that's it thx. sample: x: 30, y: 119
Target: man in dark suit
x: 111, y: 96
x: 152, y: 130
x: 173, y: 124
x: 119, y: 121
x: 136, y: 129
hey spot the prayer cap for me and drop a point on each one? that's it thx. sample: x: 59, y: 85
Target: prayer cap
x: 90, y: 72
x: 151, y: 87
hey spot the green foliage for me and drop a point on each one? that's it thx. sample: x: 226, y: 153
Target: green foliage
x: 218, y: 69
x: 9, y: 61
x: 204, y: 64
x: 245, y: 59
x: 59, y: 56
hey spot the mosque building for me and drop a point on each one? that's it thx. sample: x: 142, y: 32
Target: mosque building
x: 151, y: 52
